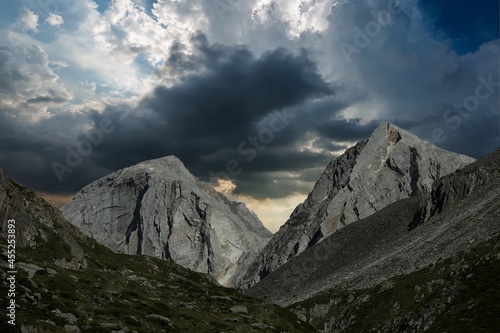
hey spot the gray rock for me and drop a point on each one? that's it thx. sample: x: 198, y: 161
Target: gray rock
x: 158, y: 208
x: 165, y: 320
x: 262, y: 326
x: 37, y: 222
x: 31, y: 269
x: 70, y: 318
x: 396, y: 240
x: 239, y: 309
x: 391, y: 165
x: 71, y: 329
x: 222, y: 298
x: 28, y: 329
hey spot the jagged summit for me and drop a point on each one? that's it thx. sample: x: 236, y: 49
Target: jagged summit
x: 159, y: 208
x: 459, y: 212
x: 392, y: 164
x: 163, y: 164
x: 168, y: 166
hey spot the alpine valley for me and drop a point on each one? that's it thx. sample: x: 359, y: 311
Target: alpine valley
x: 397, y: 235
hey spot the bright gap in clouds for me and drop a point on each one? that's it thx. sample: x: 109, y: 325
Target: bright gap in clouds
x: 272, y: 212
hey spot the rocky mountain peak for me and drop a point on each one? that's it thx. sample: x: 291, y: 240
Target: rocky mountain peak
x: 165, y: 167
x: 158, y: 208
x: 391, y: 165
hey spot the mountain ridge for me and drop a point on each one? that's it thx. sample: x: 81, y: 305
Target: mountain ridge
x: 391, y: 165
x: 67, y: 282
x: 398, y: 239
x: 159, y: 208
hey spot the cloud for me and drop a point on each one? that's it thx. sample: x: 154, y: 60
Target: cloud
x: 55, y: 20
x: 27, y: 20
x: 217, y: 109
x: 202, y: 119
x: 200, y: 79
x: 28, y: 79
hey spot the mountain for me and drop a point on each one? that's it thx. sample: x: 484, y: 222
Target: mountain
x: 391, y: 165
x: 67, y: 282
x: 158, y: 208
x: 428, y: 263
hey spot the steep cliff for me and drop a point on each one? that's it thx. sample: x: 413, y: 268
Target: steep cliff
x: 38, y: 223
x: 427, y: 264
x: 158, y: 208
x: 459, y: 213
x: 391, y: 165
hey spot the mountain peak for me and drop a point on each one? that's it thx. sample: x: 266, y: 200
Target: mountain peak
x: 393, y: 133
x: 388, y: 132
x: 162, y: 164
x: 168, y: 167
x: 158, y: 208
x: 391, y: 165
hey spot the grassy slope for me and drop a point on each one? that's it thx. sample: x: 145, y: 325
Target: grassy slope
x: 118, y: 291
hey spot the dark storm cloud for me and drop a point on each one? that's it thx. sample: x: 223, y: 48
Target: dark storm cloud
x: 411, y: 77
x: 346, y: 130
x: 203, y: 119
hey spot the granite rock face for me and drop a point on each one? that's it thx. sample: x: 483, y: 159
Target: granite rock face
x: 158, y: 208
x: 391, y: 165
x: 459, y: 214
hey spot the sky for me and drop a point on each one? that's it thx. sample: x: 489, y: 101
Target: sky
x: 255, y: 96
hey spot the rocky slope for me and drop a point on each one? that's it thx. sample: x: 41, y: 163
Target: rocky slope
x: 158, y: 208
x: 431, y: 250
x: 391, y: 165
x: 39, y: 222
x: 67, y: 282
x: 459, y: 294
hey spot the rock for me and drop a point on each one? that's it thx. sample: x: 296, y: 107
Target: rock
x: 70, y: 318
x: 232, y: 320
x: 29, y: 268
x: 391, y: 165
x: 71, y: 329
x: 163, y: 319
x: 239, y: 309
x: 158, y: 208
x: 123, y: 330
x: 37, y: 222
x: 222, y: 298
x: 262, y: 326
x: 28, y: 329
x: 386, y: 286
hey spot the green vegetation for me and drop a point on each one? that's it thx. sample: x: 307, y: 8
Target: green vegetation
x: 141, y: 293
x: 113, y: 292
x: 455, y: 295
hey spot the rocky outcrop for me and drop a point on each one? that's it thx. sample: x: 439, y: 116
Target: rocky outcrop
x: 113, y: 292
x: 391, y: 165
x: 451, y: 189
x: 37, y: 223
x: 464, y: 208
x: 158, y: 208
